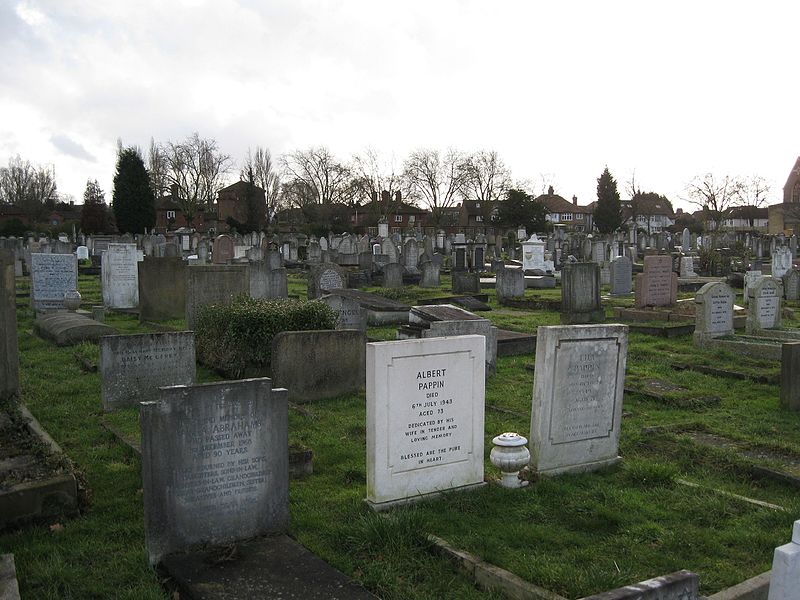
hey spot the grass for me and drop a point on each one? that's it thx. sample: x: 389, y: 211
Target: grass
x: 574, y: 534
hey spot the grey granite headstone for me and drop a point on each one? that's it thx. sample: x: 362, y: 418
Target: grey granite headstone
x: 791, y: 284
x: 52, y: 275
x: 577, y: 397
x: 657, y: 285
x: 713, y: 311
x: 162, y: 288
x: 510, y: 284
x: 764, y: 304
x: 215, y: 464
x: 266, y: 282
x: 324, y: 278
x: 393, y: 275
x: 208, y: 284
x: 621, y: 276
x: 349, y: 311
x: 580, y: 294
x: 430, y: 275
x: 133, y: 367
x: 9, y: 353
x: 464, y: 282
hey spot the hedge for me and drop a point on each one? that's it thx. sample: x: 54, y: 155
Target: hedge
x: 236, y: 339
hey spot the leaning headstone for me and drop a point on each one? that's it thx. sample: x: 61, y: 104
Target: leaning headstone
x: 580, y: 294
x: 9, y: 353
x: 621, y: 276
x: 215, y: 464
x: 393, y: 276
x: 786, y: 568
x: 222, y: 250
x: 750, y: 277
x: 791, y: 284
x: 324, y: 278
x: 52, y: 275
x: 120, y: 276
x: 764, y: 305
x: 713, y: 311
x: 133, y: 367
x: 350, y: 314
x: 425, y: 418
x: 781, y: 261
x: 657, y: 285
x: 509, y: 284
x: 162, y: 288
x: 577, y: 397
x: 209, y: 284
x: 266, y: 282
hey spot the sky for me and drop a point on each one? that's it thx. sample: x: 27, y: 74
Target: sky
x: 660, y: 91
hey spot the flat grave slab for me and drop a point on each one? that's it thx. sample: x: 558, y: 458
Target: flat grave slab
x: 441, y: 312
x: 514, y: 343
x: 266, y: 567
x: 66, y: 328
x: 371, y: 301
x: 668, y: 393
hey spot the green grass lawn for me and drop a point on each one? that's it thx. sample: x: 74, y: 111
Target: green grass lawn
x: 574, y: 534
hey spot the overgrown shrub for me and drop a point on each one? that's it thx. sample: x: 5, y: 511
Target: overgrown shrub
x: 236, y: 339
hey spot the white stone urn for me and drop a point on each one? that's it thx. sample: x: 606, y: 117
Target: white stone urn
x: 510, y: 454
x: 72, y: 300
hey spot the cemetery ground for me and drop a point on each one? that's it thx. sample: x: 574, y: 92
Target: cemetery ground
x: 692, y: 491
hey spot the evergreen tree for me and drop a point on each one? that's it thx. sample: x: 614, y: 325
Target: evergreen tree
x: 608, y: 210
x: 133, y: 200
x: 94, y: 214
x: 519, y: 208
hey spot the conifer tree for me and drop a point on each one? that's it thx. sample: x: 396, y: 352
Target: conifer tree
x: 133, y: 201
x: 608, y: 210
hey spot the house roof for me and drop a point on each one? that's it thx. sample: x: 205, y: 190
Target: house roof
x: 558, y: 204
x: 650, y: 206
x: 239, y: 186
x: 747, y: 212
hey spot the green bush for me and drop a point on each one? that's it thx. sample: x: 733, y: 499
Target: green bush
x: 236, y: 339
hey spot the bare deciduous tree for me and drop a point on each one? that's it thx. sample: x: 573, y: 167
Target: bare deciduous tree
x: 31, y: 188
x: 315, y: 176
x: 434, y: 180
x: 198, y: 168
x: 487, y: 180
x: 714, y: 195
x: 265, y: 175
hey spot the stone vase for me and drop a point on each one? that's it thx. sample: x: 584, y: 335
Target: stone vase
x: 510, y: 454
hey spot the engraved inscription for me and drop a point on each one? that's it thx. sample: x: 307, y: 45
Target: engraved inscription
x: 582, y: 406
x: 720, y: 312
x: 330, y: 280
x: 51, y: 276
x: 429, y: 423
x: 767, y: 307
x: 658, y: 280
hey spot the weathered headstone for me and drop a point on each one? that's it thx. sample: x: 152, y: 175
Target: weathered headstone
x: 425, y: 417
x: 713, y: 311
x: 781, y: 261
x: 266, y: 282
x: 764, y: 304
x: 657, y: 285
x: 350, y: 314
x: 9, y: 353
x: 222, y: 250
x: 120, y: 276
x: 133, y: 367
x: 621, y: 276
x: 509, y: 284
x: 465, y: 283
x: 750, y: 277
x: 52, y: 275
x: 577, y: 397
x: 82, y: 252
x: 162, y: 288
x: 393, y: 276
x: 791, y: 284
x: 687, y: 267
x: 533, y: 254
x: 314, y: 365
x: 325, y: 277
x: 215, y: 464
x: 208, y: 284
x: 580, y: 294
x: 430, y: 275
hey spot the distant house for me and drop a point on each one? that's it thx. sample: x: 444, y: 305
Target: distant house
x: 242, y: 203
x: 746, y: 218
x: 785, y: 217
x: 399, y: 215
x: 569, y: 214
x: 653, y: 213
x: 9, y: 212
x: 169, y: 214
x: 477, y: 214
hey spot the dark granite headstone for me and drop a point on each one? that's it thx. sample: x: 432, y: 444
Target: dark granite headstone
x: 162, y: 288
x: 580, y: 294
x: 215, y: 464
x: 207, y: 284
x: 9, y: 354
x: 466, y: 283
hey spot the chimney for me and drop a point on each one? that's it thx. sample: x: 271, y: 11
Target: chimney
x: 374, y: 196
x: 174, y: 190
x: 574, y: 200
x: 550, y: 190
x: 385, y: 196
x: 398, y: 196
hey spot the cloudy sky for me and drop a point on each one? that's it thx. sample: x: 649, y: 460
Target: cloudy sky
x: 559, y: 89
